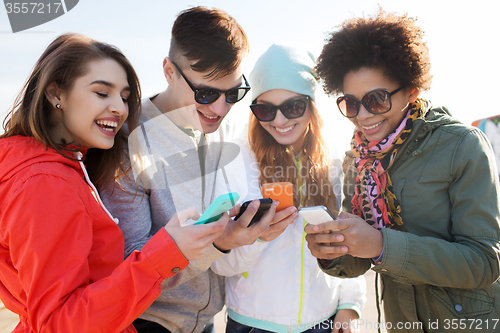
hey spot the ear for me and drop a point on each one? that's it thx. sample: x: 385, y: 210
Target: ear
x: 414, y: 92
x: 53, y: 94
x: 168, y: 70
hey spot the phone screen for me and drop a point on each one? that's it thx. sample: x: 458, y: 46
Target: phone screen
x: 316, y: 214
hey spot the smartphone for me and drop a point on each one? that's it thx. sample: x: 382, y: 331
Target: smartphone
x: 265, y: 204
x: 316, y: 214
x: 282, y: 192
x: 221, y: 204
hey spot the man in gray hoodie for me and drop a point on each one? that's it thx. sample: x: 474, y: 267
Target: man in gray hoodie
x: 177, y: 154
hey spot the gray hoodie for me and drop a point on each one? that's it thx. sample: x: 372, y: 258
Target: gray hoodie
x: 171, y: 180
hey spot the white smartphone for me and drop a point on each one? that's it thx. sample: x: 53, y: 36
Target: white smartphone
x: 316, y: 214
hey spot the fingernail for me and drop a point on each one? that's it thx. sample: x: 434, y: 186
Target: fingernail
x: 276, y: 203
x: 292, y: 209
x: 344, y: 249
x: 255, y: 204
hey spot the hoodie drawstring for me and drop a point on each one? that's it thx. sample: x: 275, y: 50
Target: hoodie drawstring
x: 79, y: 156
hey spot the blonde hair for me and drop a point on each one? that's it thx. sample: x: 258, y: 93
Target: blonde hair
x: 277, y: 164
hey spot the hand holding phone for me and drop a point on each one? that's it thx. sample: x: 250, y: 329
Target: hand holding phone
x: 265, y: 204
x: 221, y: 204
x: 316, y: 215
x: 194, y: 241
x: 281, y: 192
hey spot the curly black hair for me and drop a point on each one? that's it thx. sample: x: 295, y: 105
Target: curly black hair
x: 387, y: 41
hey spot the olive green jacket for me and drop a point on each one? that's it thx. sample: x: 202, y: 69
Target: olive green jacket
x: 439, y: 274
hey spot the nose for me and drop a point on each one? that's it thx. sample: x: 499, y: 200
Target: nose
x: 363, y: 112
x: 220, y: 107
x: 280, y: 119
x: 118, y: 107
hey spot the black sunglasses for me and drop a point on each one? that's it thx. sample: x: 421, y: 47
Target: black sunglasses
x: 210, y: 95
x: 376, y: 101
x: 291, y: 109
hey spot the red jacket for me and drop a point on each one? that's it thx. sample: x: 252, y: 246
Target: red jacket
x: 61, y: 256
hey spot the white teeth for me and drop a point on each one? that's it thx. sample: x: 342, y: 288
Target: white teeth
x: 373, y: 126
x: 108, y: 123
x: 284, y: 130
x: 209, y: 117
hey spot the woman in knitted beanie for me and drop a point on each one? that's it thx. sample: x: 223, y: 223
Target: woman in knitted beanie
x: 275, y: 284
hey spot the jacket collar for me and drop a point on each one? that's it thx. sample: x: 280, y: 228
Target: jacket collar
x: 18, y: 152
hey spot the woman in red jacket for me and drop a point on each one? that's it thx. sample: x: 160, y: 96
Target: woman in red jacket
x: 61, y: 252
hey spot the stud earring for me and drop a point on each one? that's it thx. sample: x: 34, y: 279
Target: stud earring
x: 58, y: 106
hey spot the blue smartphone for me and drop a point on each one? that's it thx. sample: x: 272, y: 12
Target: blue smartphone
x: 221, y: 204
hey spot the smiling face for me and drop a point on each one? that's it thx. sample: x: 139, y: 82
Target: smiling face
x: 94, y: 108
x: 285, y: 131
x: 210, y: 115
x: 377, y: 126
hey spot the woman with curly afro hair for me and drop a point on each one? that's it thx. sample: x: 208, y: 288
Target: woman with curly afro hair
x: 421, y: 203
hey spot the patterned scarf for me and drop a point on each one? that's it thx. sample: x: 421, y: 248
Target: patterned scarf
x: 374, y: 199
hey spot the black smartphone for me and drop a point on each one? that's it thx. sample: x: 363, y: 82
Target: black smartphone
x: 265, y: 204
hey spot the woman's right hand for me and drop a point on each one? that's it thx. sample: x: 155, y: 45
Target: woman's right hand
x: 194, y: 240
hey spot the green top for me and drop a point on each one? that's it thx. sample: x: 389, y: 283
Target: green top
x: 444, y: 265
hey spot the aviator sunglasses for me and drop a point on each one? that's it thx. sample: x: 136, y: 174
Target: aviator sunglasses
x: 376, y: 101
x: 291, y: 109
x: 210, y: 95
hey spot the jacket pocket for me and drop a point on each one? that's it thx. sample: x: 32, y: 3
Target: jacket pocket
x: 464, y: 303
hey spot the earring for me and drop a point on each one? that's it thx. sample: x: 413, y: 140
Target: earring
x: 58, y: 106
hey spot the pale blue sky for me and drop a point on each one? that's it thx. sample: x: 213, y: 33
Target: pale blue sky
x: 461, y: 36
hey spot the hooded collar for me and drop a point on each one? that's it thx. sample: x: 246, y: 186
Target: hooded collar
x: 19, y: 152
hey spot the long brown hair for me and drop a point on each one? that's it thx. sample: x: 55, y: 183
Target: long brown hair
x: 276, y: 162
x: 65, y: 60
